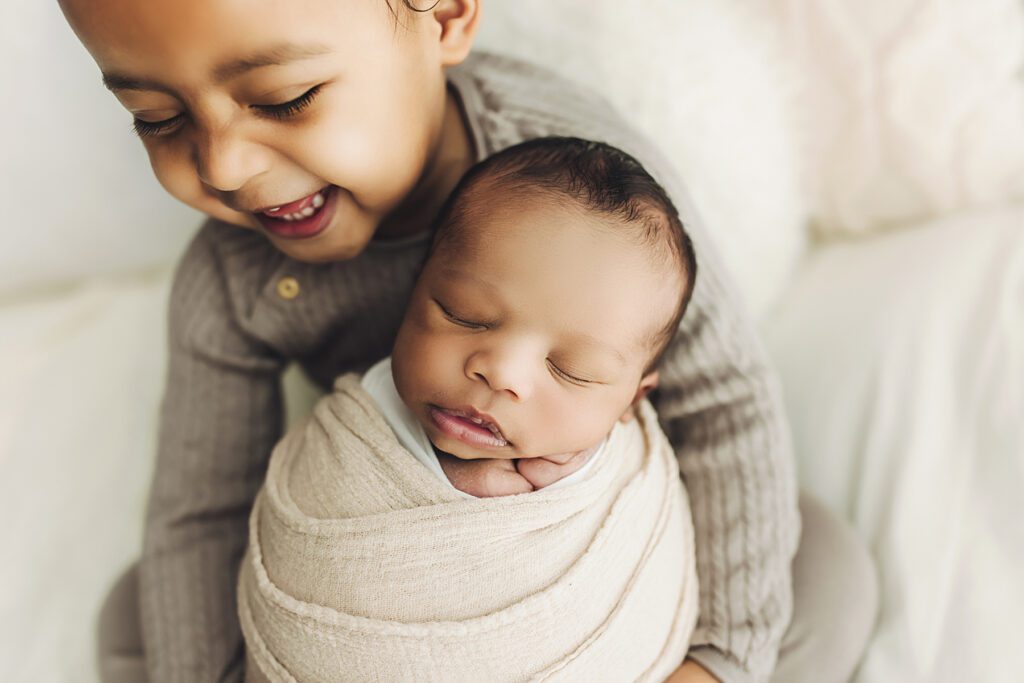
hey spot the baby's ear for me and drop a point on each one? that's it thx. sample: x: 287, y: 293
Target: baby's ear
x: 459, y: 20
x: 648, y: 383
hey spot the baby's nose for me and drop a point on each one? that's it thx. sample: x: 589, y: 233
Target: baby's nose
x: 502, y: 372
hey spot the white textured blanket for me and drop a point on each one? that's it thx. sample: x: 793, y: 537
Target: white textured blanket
x: 363, y: 566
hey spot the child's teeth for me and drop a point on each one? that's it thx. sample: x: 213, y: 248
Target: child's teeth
x: 310, y: 209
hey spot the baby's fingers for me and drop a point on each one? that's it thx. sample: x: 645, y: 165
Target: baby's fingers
x: 541, y: 472
x: 484, y: 478
x: 503, y: 482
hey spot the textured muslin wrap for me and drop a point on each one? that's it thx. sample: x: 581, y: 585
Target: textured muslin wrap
x: 363, y: 566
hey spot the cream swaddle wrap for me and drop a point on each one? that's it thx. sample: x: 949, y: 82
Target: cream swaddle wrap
x: 364, y: 566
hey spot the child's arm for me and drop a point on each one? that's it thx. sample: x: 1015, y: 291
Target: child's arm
x: 221, y: 416
x: 720, y: 404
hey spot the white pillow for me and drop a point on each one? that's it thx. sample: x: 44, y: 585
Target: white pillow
x: 902, y: 364
x: 75, y: 185
x: 911, y: 109
x: 705, y: 80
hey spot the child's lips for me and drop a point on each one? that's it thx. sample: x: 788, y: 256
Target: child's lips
x: 301, y: 218
x: 468, y: 426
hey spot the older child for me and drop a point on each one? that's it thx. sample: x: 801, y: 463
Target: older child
x: 331, y: 131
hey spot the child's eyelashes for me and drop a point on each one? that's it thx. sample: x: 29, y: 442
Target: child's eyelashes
x: 284, y: 110
x: 291, y: 107
x: 145, y: 129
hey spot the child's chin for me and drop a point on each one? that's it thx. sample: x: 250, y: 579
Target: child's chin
x: 317, y: 252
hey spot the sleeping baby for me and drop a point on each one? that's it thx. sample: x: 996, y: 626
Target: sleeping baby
x: 496, y: 500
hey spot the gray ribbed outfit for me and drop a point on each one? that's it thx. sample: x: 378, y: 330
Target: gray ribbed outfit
x: 232, y: 334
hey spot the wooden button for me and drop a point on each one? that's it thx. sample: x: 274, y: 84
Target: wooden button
x: 288, y: 287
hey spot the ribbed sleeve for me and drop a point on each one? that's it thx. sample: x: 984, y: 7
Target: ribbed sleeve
x: 220, y: 418
x: 721, y: 410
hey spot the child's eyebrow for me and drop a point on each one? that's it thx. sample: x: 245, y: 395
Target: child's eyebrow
x: 277, y: 55
x: 274, y: 56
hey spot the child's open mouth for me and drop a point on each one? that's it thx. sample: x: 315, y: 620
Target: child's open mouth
x: 468, y: 427
x: 302, y: 218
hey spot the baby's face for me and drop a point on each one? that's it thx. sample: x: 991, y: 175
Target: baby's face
x: 325, y: 110
x: 537, y: 320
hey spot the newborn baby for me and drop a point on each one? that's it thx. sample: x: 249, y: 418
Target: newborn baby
x: 558, y: 275
x: 386, y: 545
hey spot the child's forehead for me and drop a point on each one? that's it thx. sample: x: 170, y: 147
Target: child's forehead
x: 131, y: 33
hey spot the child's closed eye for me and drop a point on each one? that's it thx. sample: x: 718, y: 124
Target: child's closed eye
x: 145, y: 129
x: 279, y: 112
x: 291, y: 107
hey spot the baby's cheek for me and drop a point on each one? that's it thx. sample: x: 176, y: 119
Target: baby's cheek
x: 577, y: 429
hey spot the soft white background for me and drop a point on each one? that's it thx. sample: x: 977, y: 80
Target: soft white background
x: 860, y: 162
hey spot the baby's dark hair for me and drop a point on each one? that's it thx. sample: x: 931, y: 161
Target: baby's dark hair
x: 599, y: 178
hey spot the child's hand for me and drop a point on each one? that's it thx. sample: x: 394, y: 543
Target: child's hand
x: 541, y: 472
x: 691, y: 672
x: 484, y: 478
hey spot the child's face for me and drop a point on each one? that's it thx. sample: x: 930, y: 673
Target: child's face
x: 333, y: 108
x: 537, y: 320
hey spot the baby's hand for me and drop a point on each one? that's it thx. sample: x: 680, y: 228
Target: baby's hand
x: 484, y: 478
x: 541, y: 472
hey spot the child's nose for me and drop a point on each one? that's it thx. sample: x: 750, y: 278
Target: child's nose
x: 225, y: 161
x: 503, y: 371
